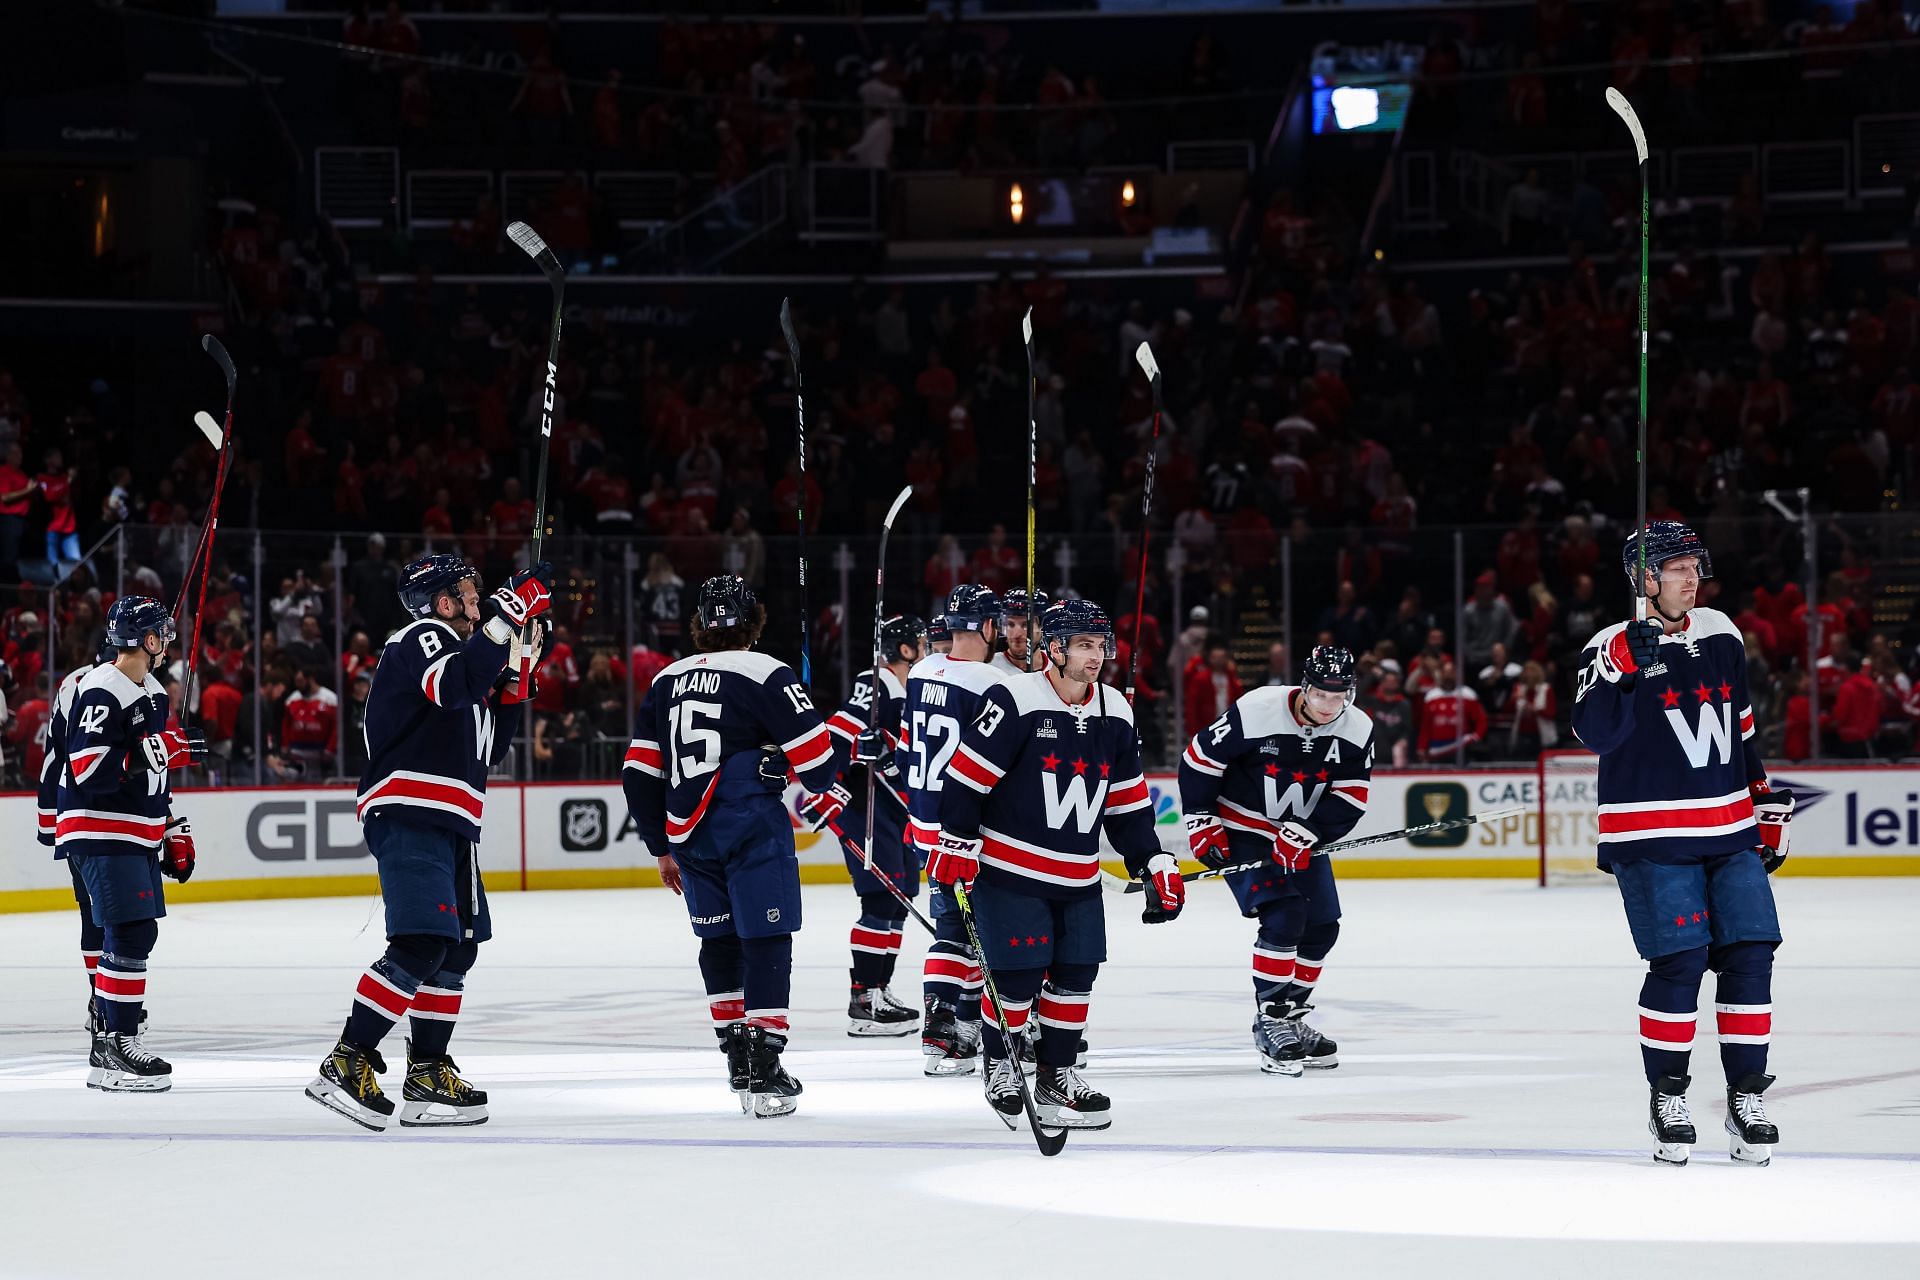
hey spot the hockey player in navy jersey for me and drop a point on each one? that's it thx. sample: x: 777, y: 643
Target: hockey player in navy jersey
x: 1048, y: 762
x: 52, y: 768
x: 1690, y: 830
x: 872, y: 1009
x: 1285, y: 770
x: 943, y: 693
x: 445, y: 706
x: 114, y: 824
x: 718, y: 733
x: 1018, y: 615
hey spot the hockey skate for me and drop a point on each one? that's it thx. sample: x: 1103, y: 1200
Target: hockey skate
x: 948, y: 1046
x: 733, y: 1043
x: 125, y: 1067
x: 1003, y: 1090
x: 350, y: 1084
x: 1063, y: 1100
x: 434, y: 1094
x: 1751, y: 1136
x: 1670, y: 1121
x: 771, y: 1091
x: 1277, y: 1038
x: 1030, y: 1049
x: 871, y: 1013
x: 1322, y: 1053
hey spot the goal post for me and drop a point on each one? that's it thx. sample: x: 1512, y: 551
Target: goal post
x: 1568, y: 791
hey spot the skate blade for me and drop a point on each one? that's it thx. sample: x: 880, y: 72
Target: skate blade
x: 1327, y: 1063
x: 327, y: 1095
x: 745, y: 1100
x: 432, y: 1115
x: 1274, y: 1067
x: 767, y: 1106
x: 115, y: 1082
x: 1011, y: 1121
x: 95, y: 1075
x: 1671, y: 1153
x: 1059, y: 1118
x: 1757, y: 1155
x: 859, y: 1027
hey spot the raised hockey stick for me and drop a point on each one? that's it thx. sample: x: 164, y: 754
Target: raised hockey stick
x: 1151, y: 367
x: 1624, y: 109
x: 1050, y: 1143
x: 1033, y: 466
x: 800, y: 493
x: 1425, y: 828
x: 222, y: 439
x: 534, y: 247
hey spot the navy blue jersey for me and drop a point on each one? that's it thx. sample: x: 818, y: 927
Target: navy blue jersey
x: 1675, y: 743
x: 1038, y: 781
x: 435, y: 727
x: 53, y: 762
x: 850, y: 721
x: 108, y: 801
x: 1259, y: 765
x: 943, y: 693
x: 705, y: 722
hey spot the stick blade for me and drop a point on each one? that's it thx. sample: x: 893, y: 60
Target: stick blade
x: 1026, y: 327
x: 1624, y: 109
x: 786, y: 328
x: 208, y: 428
x: 213, y: 347
x: 527, y: 238
x: 1143, y: 355
x: 899, y: 501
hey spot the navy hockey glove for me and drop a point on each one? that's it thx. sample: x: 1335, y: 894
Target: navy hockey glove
x: 1207, y: 841
x: 773, y: 769
x: 871, y: 748
x: 1293, y: 846
x: 1773, y: 810
x: 1166, y: 891
x: 1635, y: 646
x: 818, y: 810
x: 176, y: 850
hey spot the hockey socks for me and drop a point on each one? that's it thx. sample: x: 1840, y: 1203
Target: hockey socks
x: 1018, y: 987
x: 1669, y: 999
x: 1743, y: 1008
x: 436, y: 1005
x: 767, y: 980
x: 1064, y: 999
x: 875, y: 944
x: 387, y: 988
x: 120, y: 978
x: 952, y: 977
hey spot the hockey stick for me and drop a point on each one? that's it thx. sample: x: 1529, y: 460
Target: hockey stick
x: 1144, y: 355
x: 1624, y: 109
x: 800, y: 493
x: 1033, y: 465
x: 1050, y: 1144
x: 534, y: 247
x: 222, y: 440
x: 1426, y: 828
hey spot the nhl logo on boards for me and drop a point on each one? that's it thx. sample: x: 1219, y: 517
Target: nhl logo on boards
x: 583, y: 825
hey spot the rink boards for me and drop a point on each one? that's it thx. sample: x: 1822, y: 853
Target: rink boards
x: 305, y: 842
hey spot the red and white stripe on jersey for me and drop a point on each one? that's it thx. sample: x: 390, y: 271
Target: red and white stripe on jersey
x: 1746, y: 722
x: 123, y: 986
x: 379, y: 994
x: 1064, y: 1009
x: 1306, y: 973
x: 977, y: 773
x: 678, y: 828
x: 644, y: 754
x: 922, y: 835
x: 1353, y: 791
x: 1271, y: 964
x: 84, y: 763
x: 102, y: 824
x: 1744, y: 1023
x: 1200, y: 760
x: 1125, y: 797
x: 845, y: 725
x: 1657, y: 819
x: 430, y: 678
x: 876, y: 942
x: 1662, y: 1030
x: 771, y: 1019
x: 1021, y: 858
x: 955, y: 969
x: 49, y: 820
x: 1237, y: 817
x: 1016, y: 1012
x: 424, y: 791
x: 436, y: 1004
x: 727, y: 1007
x: 809, y: 750
x: 91, y: 959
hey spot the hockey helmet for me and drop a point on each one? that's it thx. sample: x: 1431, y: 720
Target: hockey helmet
x: 133, y: 618
x: 1329, y: 667
x: 1666, y: 540
x: 901, y: 629
x: 1065, y: 619
x: 726, y: 601
x: 970, y: 607
x: 427, y: 576
x: 938, y: 632
x: 1014, y: 604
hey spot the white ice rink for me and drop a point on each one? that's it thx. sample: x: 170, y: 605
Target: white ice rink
x: 1487, y: 1118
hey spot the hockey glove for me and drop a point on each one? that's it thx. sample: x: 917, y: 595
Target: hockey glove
x: 525, y: 658
x: 1166, y: 891
x: 955, y: 858
x: 817, y: 811
x: 1293, y: 846
x: 871, y: 748
x: 1633, y: 647
x: 1207, y: 841
x: 1773, y: 810
x: 527, y: 595
x: 176, y: 850
x: 185, y: 747
x: 155, y: 753
x: 773, y: 769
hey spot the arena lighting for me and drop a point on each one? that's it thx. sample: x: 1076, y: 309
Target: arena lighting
x: 1017, y: 204
x: 1355, y: 107
x: 1127, y: 194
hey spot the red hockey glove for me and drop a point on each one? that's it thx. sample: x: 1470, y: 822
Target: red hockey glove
x: 1635, y: 646
x: 527, y: 595
x: 184, y: 747
x: 176, y: 850
x: 818, y: 810
x: 154, y: 753
x: 1773, y: 810
x: 1166, y: 891
x: 955, y: 859
x: 1207, y: 840
x: 1293, y: 846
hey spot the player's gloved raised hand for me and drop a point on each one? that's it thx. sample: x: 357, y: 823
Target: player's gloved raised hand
x: 871, y: 748
x: 185, y: 747
x: 523, y: 660
x: 527, y: 595
x: 1773, y: 810
x: 1293, y: 846
x: 1166, y: 891
x: 1207, y: 840
x: 817, y: 811
x: 956, y: 858
x: 176, y: 850
x: 1635, y: 646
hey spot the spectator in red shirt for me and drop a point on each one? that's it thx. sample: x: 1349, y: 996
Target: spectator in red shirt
x: 936, y: 388
x: 63, y: 531
x: 1854, y: 721
x: 310, y: 721
x: 1450, y: 712
x: 219, y: 710
x: 510, y: 518
x: 16, y: 487
x: 946, y: 569
x: 558, y: 674
x: 996, y: 566
x: 26, y: 733
x: 1212, y: 686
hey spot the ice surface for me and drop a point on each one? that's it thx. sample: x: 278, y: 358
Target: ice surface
x: 1487, y: 1118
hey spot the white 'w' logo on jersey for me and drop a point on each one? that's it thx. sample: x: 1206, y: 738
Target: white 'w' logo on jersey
x: 1294, y: 801
x: 1073, y: 801
x: 1713, y: 736
x: 483, y: 731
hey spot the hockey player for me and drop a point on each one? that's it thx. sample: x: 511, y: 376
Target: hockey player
x: 1014, y: 655
x: 1049, y: 761
x: 1690, y: 830
x: 717, y: 734
x: 1285, y: 770
x: 114, y: 824
x: 872, y: 1009
x: 939, y: 638
x: 445, y: 705
x: 943, y: 692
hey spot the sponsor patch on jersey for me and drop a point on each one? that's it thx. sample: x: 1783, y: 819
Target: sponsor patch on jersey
x: 1046, y: 729
x: 1657, y: 669
x: 1271, y: 747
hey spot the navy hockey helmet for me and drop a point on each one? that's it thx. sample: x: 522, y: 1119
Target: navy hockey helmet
x: 938, y: 632
x: 901, y: 629
x: 1330, y: 667
x: 425, y: 577
x: 1014, y: 604
x: 726, y: 601
x: 970, y: 607
x: 1065, y: 619
x: 1666, y: 540
x: 133, y: 618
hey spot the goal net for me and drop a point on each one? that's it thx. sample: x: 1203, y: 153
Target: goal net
x: 1569, y: 796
